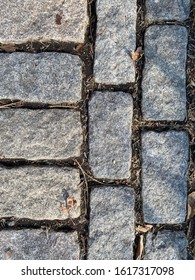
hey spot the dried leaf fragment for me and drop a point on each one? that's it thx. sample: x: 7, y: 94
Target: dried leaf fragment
x: 137, y: 54
x: 8, y: 48
x: 140, y: 248
x: 191, y: 205
x: 144, y: 229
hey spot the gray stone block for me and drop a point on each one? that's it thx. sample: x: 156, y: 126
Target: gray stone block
x: 110, y: 119
x: 40, y: 134
x: 26, y: 20
x: 111, y: 228
x: 38, y: 192
x: 164, y: 176
x: 167, y: 10
x: 45, y: 77
x: 115, y: 37
x: 35, y: 244
x: 164, y: 75
x: 166, y: 245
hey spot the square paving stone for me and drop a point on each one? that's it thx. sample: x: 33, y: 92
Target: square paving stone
x: 111, y: 228
x: 35, y: 244
x: 115, y: 38
x: 166, y: 245
x: 40, y: 134
x: 39, y: 192
x: 26, y: 20
x: 164, y: 75
x: 45, y: 77
x: 110, y: 120
x: 164, y: 176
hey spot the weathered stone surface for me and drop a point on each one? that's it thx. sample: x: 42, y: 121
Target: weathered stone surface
x: 110, y: 118
x: 166, y: 245
x: 115, y: 37
x: 111, y: 229
x: 167, y: 10
x: 38, y: 192
x: 40, y: 134
x: 164, y: 75
x: 42, y: 20
x: 30, y: 244
x: 164, y: 176
x: 45, y: 77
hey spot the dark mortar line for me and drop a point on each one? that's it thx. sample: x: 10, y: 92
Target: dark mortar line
x: 165, y: 22
x: 128, y: 88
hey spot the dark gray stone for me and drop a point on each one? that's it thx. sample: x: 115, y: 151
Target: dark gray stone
x: 111, y: 229
x: 164, y: 176
x: 35, y: 244
x: 164, y: 75
x: 45, y: 77
x: 110, y: 118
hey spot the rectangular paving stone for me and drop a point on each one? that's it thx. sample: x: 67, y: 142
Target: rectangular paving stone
x: 35, y: 244
x: 25, y: 20
x: 167, y: 10
x: 166, y: 245
x: 110, y: 120
x: 111, y: 228
x: 40, y: 134
x: 164, y: 75
x: 164, y: 176
x: 115, y: 38
x: 39, y: 192
x: 46, y: 77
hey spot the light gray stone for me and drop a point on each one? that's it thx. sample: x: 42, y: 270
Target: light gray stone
x: 26, y: 20
x: 38, y: 192
x: 35, y: 244
x: 166, y: 245
x: 115, y: 37
x: 111, y: 228
x: 45, y: 77
x: 40, y: 134
x: 110, y: 119
x: 167, y: 10
x: 164, y: 75
x: 164, y: 176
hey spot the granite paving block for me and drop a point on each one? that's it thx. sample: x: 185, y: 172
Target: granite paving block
x: 39, y: 192
x: 35, y: 244
x: 164, y: 75
x: 110, y: 119
x: 166, y: 245
x: 46, y: 77
x: 164, y: 176
x: 167, y: 10
x: 26, y: 20
x: 115, y: 37
x: 40, y: 134
x: 111, y: 228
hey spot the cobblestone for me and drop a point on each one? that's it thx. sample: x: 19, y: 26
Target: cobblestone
x: 111, y: 229
x: 40, y: 134
x: 164, y: 77
x: 37, y: 192
x: 164, y: 176
x: 30, y: 244
x: 110, y: 117
x: 115, y: 37
x: 24, y: 20
x: 45, y: 77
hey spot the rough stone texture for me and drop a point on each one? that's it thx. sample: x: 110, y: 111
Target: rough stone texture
x: 167, y: 10
x: 110, y: 117
x: 115, y: 37
x: 42, y: 20
x: 164, y: 176
x: 164, y: 75
x: 45, y: 77
x: 37, y: 192
x: 40, y: 134
x: 30, y: 244
x: 111, y: 228
x: 167, y: 245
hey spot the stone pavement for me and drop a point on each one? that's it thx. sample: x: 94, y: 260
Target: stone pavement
x: 97, y: 129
